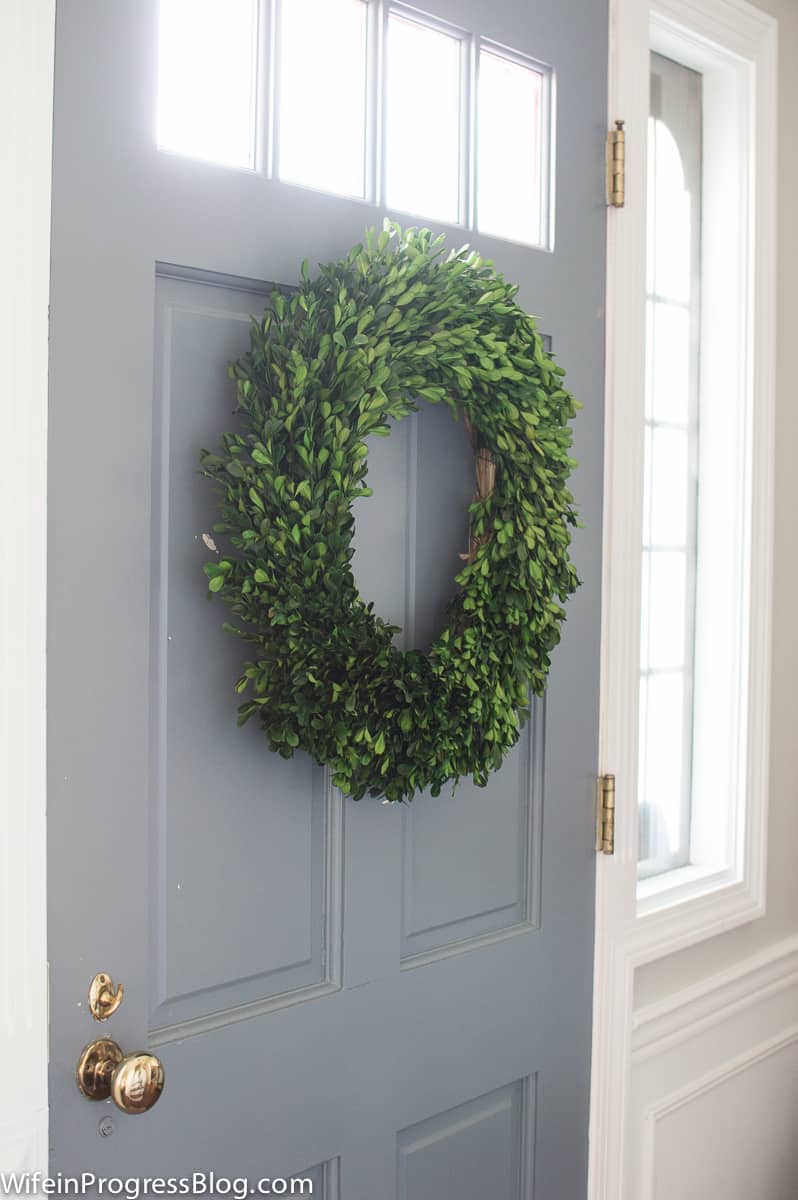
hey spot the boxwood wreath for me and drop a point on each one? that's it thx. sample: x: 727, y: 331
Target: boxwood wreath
x: 330, y: 366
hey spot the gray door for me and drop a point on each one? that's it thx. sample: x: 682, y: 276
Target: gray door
x: 391, y: 1001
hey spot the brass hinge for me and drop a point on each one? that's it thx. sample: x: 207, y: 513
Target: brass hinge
x: 616, y: 166
x: 605, y: 842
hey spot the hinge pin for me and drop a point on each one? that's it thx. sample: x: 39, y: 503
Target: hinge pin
x: 616, y: 165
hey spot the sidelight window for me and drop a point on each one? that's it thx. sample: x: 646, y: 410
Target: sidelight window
x: 671, y: 484
x: 702, y: 754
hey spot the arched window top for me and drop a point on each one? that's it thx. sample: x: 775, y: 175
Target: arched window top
x: 669, y: 215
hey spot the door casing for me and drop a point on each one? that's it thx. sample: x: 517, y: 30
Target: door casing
x: 26, y: 95
x: 624, y: 942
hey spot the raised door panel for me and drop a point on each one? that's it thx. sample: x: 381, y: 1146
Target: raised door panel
x: 471, y: 857
x: 482, y: 1148
x: 238, y: 921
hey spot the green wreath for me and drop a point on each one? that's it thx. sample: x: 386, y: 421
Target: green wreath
x: 329, y: 367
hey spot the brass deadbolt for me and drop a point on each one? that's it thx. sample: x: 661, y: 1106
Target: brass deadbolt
x: 133, y: 1081
x: 105, y: 996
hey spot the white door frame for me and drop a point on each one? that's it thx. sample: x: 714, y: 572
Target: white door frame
x: 625, y: 939
x: 27, y: 31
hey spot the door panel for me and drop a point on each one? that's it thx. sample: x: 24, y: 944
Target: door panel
x: 212, y: 948
x: 482, y: 1148
x: 471, y: 870
x: 393, y: 1001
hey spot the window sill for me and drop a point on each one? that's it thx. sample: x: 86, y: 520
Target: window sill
x: 684, y: 906
x: 680, y: 885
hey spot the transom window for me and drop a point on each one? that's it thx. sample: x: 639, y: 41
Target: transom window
x: 206, y: 79
x: 362, y: 98
x: 319, y: 135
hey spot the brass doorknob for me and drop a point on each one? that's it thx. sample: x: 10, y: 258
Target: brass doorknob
x: 133, y: 1081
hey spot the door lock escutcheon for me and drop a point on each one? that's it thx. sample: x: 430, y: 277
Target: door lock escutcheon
x: 133, y: 1081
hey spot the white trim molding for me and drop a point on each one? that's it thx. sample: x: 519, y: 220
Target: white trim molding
x: 699, y: 1041
x: 742, y: 39
x: 26, y: 97
x: 667, y: 1023
x: 656, y: 1114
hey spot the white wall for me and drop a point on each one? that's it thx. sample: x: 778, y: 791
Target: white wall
x: 713, y: 1101
x: 714, y: 1089
x: 751, y: 1111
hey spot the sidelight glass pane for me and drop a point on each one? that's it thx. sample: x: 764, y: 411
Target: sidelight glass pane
x: 667, y: 611
x: 661, y: 770
x: 422, y: 139
x: 207, y: 79
x: 510, y: 150
x: 669, y: 347
x: 668, y: 470
x: 670, y: 491
x: 321, y: 94
x: 670, y: 232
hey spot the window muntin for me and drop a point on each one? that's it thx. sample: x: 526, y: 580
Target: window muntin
x: 670, y: 514
x: 207, y: 79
